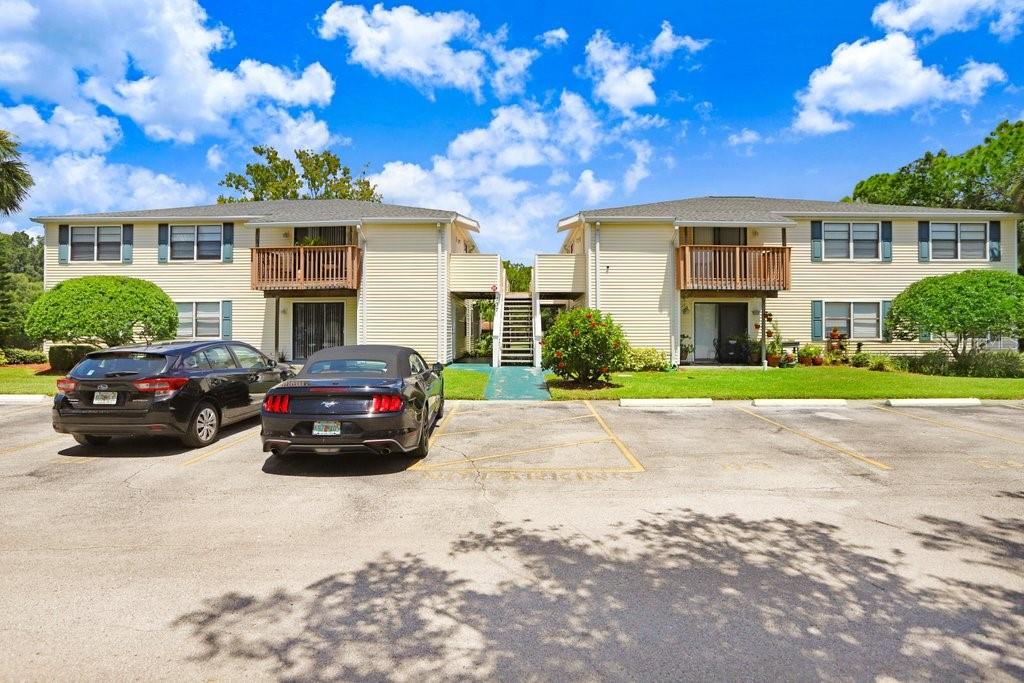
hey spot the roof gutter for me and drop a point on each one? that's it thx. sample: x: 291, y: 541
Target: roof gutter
x: 94, y: 220
x: 961, y: 213
x: 682, y: 222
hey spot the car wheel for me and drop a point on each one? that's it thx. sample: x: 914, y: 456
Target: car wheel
x: 91, y: 439
x: 423, y: 446
x: 440, y: 412
x: 203, y: 428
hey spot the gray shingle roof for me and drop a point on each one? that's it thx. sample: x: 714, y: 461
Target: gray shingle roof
x: 763, y: 209
x: 280, y: 211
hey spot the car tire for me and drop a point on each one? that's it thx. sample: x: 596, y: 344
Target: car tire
x: 440, y: 412
x: 92, y: 439
x: 423, y: 445
x: 204, y: 427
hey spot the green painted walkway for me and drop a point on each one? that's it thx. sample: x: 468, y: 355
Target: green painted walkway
x: 511, y: 383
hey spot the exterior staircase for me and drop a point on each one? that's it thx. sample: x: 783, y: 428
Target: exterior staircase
x: 517, y: 330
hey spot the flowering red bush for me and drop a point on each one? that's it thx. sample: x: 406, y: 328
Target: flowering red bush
x: 583, y: 345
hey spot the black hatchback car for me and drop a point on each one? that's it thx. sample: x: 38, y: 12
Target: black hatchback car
x: 384, y: 399
x: 183, y: 389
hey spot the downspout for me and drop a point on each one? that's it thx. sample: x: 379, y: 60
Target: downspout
x: 442, y: 285
x: 597, y: 265
x: 361, y: 292
x: 764, y: 342
x: 677, y: 303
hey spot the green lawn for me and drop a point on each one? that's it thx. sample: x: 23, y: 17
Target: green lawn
x: 799, y: 382
x: 22, y: 379
x: 466, y: 384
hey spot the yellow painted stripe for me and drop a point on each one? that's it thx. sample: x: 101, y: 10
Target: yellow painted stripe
x: 628, y: 454
x: 509, y: 454
x: 829, y: 444
x: 517, y: 424
x: 75, y: 459
x: 539, y: 470
x: 220, y: 447
x: 40, y: 442
x: 951, y: 425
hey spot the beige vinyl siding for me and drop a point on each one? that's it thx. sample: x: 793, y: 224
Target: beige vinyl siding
x: 186, y: 280
x: 473, y: 272
x: 636, y: 279
x: 459, y: 316
x: 285, y: 345
x: 867, y: 281
x: 561, y: 272
x: 400, y: 287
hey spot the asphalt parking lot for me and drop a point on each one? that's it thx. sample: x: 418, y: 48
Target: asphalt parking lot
x: 539, y: 540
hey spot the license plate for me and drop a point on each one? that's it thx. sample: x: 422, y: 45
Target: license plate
x: 326, y: 428
x: 104, y: 398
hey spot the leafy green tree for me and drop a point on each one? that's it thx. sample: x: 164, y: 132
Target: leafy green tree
x: 22, y: 253
x: 17, y: 293
x: 15, y: 180
x: 321, y: 175
x: 519, y: 276
x: 111, y: 309
x: 960, y: 310
x: 987, y: 176
x: 584, y: 346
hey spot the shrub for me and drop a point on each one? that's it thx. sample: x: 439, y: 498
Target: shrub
x: 930, y: 363
x: 901, y: 363
x: 3, y: 359
x: 63, y: 357
x: 810, y: 351
x: 641, y: 359
x: 860, y: 359
x: 24, y: 356
x: 484, y: 345
x: 584, y: 345
x: 102, y: 308
x: 881, y: 363
x: 960, y: 308
x: 991, y: 364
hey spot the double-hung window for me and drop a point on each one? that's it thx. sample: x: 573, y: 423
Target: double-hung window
x: 857, y: 320
x: 96, y: 243
x: 196, y: 242
x: 198, y: 319
x: 851, y: 240
x: 952, y: 241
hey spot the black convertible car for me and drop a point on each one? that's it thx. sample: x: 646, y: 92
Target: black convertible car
x: 385, y: 399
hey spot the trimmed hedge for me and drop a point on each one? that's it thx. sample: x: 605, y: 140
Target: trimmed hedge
x: 23, y: 357
x: 63, y: 357
x: 644, y: 359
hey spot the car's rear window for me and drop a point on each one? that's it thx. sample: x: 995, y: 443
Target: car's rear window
x: 120, y: 364
x: 353, y: 365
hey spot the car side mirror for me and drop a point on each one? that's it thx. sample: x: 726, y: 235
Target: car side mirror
x: 438, y: 368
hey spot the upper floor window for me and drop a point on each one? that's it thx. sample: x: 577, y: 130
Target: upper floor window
x: 856, y: 320
x: 198, y: 319
x: 196, y: 242
x: 851, y: 240
x: 96, y: 243
x: 952, y: 241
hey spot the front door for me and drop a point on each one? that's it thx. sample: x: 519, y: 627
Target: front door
x: 316, y: 326
x: 705, y: 331
x: 732, y: 323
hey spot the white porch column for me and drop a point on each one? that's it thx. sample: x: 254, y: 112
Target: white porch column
x: 677, y: 303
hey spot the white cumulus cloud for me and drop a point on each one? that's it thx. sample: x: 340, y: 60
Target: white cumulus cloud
x: 882, y: 76
x: 939, y: 17
x: 590, y: 189
x: 667, y: 43
x: 640, y: 168
x: 554, y: 37
x: 744, y: 137
x: 64, y: 130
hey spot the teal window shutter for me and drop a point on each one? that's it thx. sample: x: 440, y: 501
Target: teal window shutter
x: 887, y: 241
x: 924, y: 336
x: 63, y: 243
x: 886, y: 334
x: 924, y: 246
x: 816, y: 244
x: 163, y: 235
x: 227, y: 247
x: 225, y: 320
x: 817, y: 322
x: 127, y: 242
x: 995, y: 252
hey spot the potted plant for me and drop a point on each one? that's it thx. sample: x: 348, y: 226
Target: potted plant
x: 809, y: 353
x: 834, y: 334
x: 774, y: 347
x: 685, y: 347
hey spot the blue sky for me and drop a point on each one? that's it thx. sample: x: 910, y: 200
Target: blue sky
x: 514, y: 113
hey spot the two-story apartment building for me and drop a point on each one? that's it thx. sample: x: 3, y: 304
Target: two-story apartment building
x: 702, y: 270
x: 291, y: 276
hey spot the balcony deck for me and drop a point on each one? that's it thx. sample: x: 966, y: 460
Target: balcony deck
x: 733, y: 269
x: 315, y: 269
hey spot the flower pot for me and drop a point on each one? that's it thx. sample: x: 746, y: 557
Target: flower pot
x: 806, y: 360
x: 773, y: 360
x: 818, y: 360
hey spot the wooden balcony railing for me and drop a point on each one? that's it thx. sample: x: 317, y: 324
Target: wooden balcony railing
x: 748, y: 268
x: 297, y: 268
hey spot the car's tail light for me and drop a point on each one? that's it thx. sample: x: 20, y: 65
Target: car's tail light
x: 66, y: 385
x: 387, y: 403
x: 160, y: 387
x: 276, y: 403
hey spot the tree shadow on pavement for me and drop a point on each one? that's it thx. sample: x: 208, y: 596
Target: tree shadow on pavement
x: 680, y: 595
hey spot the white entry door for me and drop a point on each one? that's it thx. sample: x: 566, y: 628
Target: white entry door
x: 705, y: 329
